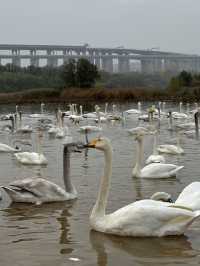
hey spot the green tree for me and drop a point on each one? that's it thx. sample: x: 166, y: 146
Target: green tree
x: 86, y: 74
x: 185, y: 78
x: 69, y: 73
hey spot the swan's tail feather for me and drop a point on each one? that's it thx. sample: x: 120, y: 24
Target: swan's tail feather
x: 173, y: 173
x: 197, y: 214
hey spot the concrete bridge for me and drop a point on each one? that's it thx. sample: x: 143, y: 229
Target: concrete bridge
x: 109, y: 59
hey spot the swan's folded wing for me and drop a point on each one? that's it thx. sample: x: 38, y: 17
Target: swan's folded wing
x: 146, y: 218
x: 159, y: 169
x: 38, y: 186
x: 190, y: 196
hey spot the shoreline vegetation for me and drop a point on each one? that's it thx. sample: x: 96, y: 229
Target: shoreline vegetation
x: 79, y: 81
x: 93, y: 95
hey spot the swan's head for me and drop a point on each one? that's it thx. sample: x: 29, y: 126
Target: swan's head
x: 100, y: 143
x: 74, y: 147
x: 162, y: 196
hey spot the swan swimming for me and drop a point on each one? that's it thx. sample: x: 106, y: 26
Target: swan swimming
x: 153, y: 170
x: 144, y: 218
x: 171, y: 149
x: 39, y: 190
x: 32, y: 158
x: 155, y: 157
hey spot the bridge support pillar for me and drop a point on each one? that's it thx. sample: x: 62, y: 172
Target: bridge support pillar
x: 147, y: 66
x: 157, y: 65
x: 171, y: 65
x: 51, y: 60
x: 107, y: 64
x: 123, y: 65
x: 98, y: 62
x: 91, y: 59
x: 16, y: 58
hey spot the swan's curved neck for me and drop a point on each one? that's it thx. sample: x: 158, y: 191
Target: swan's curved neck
x: 137, y: 168
x: 155, y: 152
x: 178, y: 140
x: 170, y: 120
x: 69, y: 187
x: 180, y: 107
x: 100, y: 205
x: 196, y: 119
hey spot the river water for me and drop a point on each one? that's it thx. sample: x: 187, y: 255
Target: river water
x: 59, y: 234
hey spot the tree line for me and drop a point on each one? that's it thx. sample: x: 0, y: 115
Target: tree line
x: 81, y: 74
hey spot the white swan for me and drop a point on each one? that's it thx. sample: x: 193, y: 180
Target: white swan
x: 179, y: 115
x: 32, y: 158
x: 144, y: 218
x: 194, y: 132
x: 21, y: 128
x: 189, y: 197
x: 155, y: 157
x: 7, y: 148
x: 162, y: 196
x: 171, y: 149
x: 39, y: 190
x: 88, y: 129
x: 134, y: 111
x: 154, y: 170
x: 41, y: 115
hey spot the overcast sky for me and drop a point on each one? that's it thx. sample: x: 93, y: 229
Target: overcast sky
x: 172, y: 25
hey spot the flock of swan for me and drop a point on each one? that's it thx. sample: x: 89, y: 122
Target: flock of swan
x: 157, y: 216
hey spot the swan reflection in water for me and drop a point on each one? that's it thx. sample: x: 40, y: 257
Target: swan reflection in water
x: 144, y: 251
x: 46, y: 218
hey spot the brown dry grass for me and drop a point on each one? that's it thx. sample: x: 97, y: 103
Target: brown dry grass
x: 79, y: 95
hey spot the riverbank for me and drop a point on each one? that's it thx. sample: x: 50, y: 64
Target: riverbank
x: 92, y: 95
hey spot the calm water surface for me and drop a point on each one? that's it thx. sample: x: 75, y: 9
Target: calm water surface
x: 59, y: 233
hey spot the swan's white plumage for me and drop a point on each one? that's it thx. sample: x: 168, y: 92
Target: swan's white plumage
x: 159, y: 170
x: 7, y: 148
x: 190, y: 196
x: 155, y: 159
x: 31, y: 158
x: 37, y: 190
x: 170, y: 149
x: 139, y: 219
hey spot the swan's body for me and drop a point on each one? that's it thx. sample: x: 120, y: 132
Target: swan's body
x: 154, y: 170
x: 31, y: 158
x: 177, y: 115
x: 134, y: 111
x: 142, y: 130
x: 39, y: 190
x: 143, y: 218
x: 7, y: 148
x: 170, y: 149
x: 89, y: 129
x: 180, y: 114
x: 25, y: 129
x: 157, y: 170
x: 155, y: 157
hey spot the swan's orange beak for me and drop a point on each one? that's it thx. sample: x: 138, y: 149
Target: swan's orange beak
x: 92, y: 143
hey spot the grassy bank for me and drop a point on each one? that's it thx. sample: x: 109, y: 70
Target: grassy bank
x: 96, y: 95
